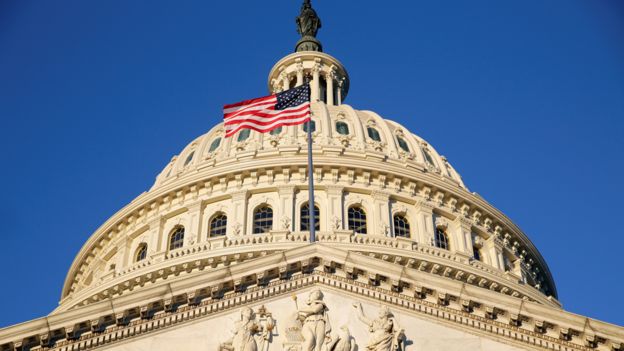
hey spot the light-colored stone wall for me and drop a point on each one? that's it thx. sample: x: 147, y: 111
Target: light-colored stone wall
x: 421, y: 334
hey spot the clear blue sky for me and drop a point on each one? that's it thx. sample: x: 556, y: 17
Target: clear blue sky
x: 525, y: 98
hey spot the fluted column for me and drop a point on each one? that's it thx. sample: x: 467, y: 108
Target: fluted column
x: 315, y: 93
x: 299, y: 73
x: 329, y: 79
x: 339, y: 92
x: 285, y: 81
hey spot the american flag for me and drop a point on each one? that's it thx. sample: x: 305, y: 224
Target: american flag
x: 264, y: 114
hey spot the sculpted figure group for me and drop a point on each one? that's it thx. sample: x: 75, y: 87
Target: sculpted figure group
x: 253, y: 332
x: 310, y: 330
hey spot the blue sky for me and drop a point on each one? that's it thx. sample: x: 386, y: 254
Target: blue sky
x: 525, y: 98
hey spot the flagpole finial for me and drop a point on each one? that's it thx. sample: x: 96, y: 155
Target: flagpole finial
x: 308, y: 24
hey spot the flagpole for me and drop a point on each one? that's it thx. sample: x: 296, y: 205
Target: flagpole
x: 311, y: 206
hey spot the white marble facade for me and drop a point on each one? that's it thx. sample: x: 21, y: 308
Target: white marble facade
x: 420, y: 334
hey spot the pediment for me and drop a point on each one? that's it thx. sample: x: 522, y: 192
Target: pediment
x: 343, y: 323
x: 196, y: 311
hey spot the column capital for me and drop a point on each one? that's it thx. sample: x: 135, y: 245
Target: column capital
x: 334, y: 190
x: 240, y: 195
x: 380, y: 195
x: 424, y: 206
x: 285, y: 190
x: 463, y: 222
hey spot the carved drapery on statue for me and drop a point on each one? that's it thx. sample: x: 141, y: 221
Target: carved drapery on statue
x: 310, y: 329
x: 385, y: 333
x: 308, y: 24
x: 253, y: 332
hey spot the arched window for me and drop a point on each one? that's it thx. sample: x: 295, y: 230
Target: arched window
x: 214, y: 145
x: 357, y: 219
x: 243, y: 135
x: 312, y: 124
x: 263, y: 219
x: 218, y: 225
x: 276, y: 131
x: 373, y: 133
x: 305, y: 218
x: 141, y: 252
x: 441, y: 239
x: 189, y: 158
x: 342, y: 128
x: 176, y: 239
x: 401, y: 226
x: 403, y: 144
x: 428, y: 157
x: 476, y: 253
x: 508, y: 264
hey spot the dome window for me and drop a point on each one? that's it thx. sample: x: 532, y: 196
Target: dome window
x: 305, y: 218
x: 276, y: 131
x: 176, y: 239
x: 428, y: 157
x: 476, y: 253
x: 312, y: 124
x: 243, y: 135
x: 342, y: 128
x: 189, y: 158
x: 141, y: 253
x: 373, y: 133
x: 218, y: 225
x: 357, y: 220
x: 263, y: 220
x: 214, y: 145
x: 441, y: 239
x: 403, y: 144
x: 401, y: 226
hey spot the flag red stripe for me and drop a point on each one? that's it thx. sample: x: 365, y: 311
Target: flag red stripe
x: 248, y: 102
x: 267, y: 114
x: 267, y: 123
x: 286, y: 122
x: 268, y: 104
x: 260, y: 114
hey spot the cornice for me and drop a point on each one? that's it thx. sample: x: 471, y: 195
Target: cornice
x: 472, y: 309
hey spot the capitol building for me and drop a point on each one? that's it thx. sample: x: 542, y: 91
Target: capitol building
x: 217, y: 255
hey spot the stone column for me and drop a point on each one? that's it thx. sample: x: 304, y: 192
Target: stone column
x: 329, y: 78
x: 123, y: 257
x: 461, y: 229
x: 424, y: 221
x: 238, y: 223
x: 334, y: 208
x: 285, y: 81
x: 315, y: 93
x: 156, y: 247
x: 194, y: 223
x: 286, y: 207
x: 381, y: 213
x: 299, y: 72
x: 339, y: 92
x: 494, y: 248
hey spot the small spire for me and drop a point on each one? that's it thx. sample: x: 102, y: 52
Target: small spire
x: 308, y: 24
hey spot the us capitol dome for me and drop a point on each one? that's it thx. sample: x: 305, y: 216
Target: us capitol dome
x: 221, y: 241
